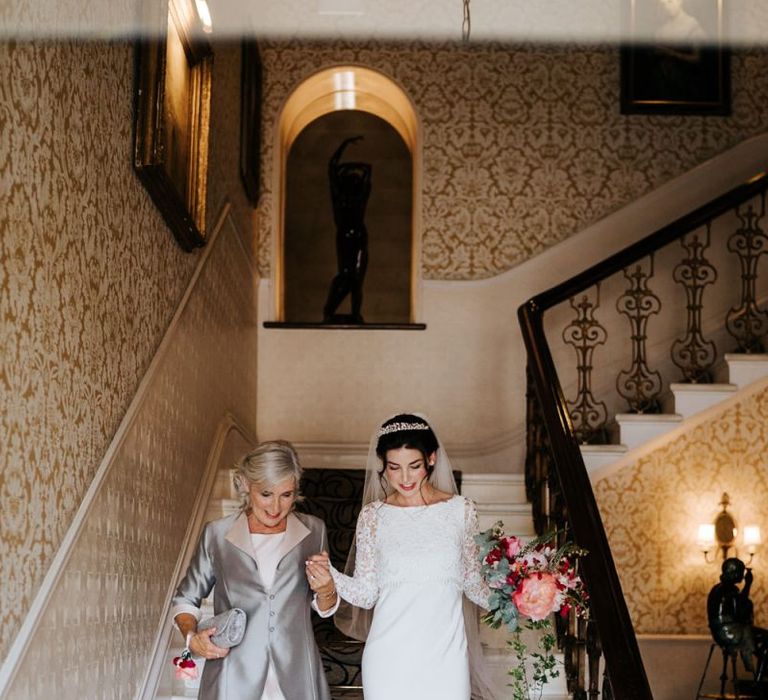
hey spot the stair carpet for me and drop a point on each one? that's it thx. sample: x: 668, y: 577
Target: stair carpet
x: 335, y: 495
x: 686, y: 400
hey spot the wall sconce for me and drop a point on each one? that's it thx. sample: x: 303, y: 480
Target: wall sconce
x: 722, y: 534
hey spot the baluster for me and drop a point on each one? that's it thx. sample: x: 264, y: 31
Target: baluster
x: 570, y: 662
x: 639, y: 385
x: 607, y: 688
x: 537, y: 471
x: 550, y: 513
x: 594, y: 652
x: 585, y: 333
x: 747, y: 323
x: 694, y: 355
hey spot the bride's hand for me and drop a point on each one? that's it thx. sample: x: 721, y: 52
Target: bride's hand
x: 318, y: 573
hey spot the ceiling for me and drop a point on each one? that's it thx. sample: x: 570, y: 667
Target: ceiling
x: 569, y: 21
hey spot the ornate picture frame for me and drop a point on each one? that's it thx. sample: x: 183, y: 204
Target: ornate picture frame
x: 171, y: 122
x: 250, y: 120
x: 678, y: 64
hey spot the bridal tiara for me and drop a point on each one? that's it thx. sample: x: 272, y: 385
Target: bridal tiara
x: 399, y: 427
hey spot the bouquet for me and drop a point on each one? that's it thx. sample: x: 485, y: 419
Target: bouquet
x: 529, y: 582
x: 186, y: 668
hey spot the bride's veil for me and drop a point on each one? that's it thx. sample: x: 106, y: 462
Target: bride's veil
x: 355, y: 622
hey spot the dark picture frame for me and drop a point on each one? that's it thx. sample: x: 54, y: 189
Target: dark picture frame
x: 250, y: 119
x: 172, y: 101
x: 678, y: 65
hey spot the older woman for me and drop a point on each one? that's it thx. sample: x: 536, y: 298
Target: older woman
x: 256, y: 561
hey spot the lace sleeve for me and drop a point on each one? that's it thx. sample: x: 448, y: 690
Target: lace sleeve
x: 474, y: 587
x: 362, y: 589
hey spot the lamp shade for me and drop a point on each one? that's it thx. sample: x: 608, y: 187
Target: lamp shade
x: 706, y: 536
x: 752, y: 537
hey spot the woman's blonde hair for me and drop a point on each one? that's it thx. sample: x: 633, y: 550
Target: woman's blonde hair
x: 268, y: 463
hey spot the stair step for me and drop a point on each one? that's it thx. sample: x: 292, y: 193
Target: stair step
x: 224, y: 487
x: 494, y: 488
x: 598, y: 456
x: 499, y: 660
x: 745, y: 368
x: 638, y: 428
x: 692, y: 398
x: 221, y: 507
x: 517, y: 518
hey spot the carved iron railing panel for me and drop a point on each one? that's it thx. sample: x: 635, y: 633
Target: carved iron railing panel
x: 585, y: 334
x: 747, y: 323
x: 694, y: 355
x: 639, y: 385
x: 335, y: 496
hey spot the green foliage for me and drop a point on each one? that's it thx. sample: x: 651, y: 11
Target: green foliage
x: 529, y: 682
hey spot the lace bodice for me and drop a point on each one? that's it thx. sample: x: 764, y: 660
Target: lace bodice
x: 419, y: 545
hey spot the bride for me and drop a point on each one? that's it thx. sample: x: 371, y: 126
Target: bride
x: 415, y: 560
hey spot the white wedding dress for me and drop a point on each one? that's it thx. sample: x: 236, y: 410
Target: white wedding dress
x: 414, y: 564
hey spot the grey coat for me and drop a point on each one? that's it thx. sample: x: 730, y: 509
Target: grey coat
x: 278, y: 619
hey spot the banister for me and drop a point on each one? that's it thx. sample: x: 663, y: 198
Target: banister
x: 622, y: 655
x: 611, y: 616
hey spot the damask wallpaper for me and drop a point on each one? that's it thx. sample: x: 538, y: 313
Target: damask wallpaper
x: 522, y: 146
x: 651, y: 509
x: 90, y: 277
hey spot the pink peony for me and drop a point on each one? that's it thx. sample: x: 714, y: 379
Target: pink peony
x: 536, y: 596
x: 511, y: 547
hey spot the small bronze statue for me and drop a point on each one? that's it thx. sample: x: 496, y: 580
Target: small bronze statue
x: 350, y: 188
x: 730, y: 616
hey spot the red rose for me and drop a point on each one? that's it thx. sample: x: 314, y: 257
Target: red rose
x: 493, y: 556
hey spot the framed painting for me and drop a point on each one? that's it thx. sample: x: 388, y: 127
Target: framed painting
x: 676, y: 62
x: 250, y: 120
x: 172, y: 121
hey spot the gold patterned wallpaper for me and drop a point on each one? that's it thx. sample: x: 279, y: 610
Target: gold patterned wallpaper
x: 651, y: 509
x: 90, y: 277
x: 522, y: 147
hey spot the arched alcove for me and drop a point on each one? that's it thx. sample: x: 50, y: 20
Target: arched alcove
x: 327, y: 108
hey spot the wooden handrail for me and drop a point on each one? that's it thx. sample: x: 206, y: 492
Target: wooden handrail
x: 637, y: 251
x: 609, y: 609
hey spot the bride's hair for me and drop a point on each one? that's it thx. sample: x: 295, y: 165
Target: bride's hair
x: 406, y: 430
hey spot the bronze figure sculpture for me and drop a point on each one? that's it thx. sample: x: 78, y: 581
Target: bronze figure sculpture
x: 730, y: 616
x: 350, y: 188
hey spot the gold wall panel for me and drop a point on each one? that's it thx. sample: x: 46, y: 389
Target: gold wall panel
x: 90, y: 278
x: 522, y: 146
x: 651, y: 509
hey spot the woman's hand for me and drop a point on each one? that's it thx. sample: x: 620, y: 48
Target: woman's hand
x: 319, y: 573
x: 200, y: 644
x: 318, y: 569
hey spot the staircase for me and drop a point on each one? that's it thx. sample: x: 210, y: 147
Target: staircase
x: 622, y: 357
x: 686, y: 404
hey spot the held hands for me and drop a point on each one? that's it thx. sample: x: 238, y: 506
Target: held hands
x: 319, y: 574
x: 200, y: 644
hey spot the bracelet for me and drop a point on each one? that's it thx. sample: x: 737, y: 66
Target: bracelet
x: 327, y: 595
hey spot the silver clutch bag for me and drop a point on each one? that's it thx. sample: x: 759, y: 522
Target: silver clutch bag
x: 230, y: 627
